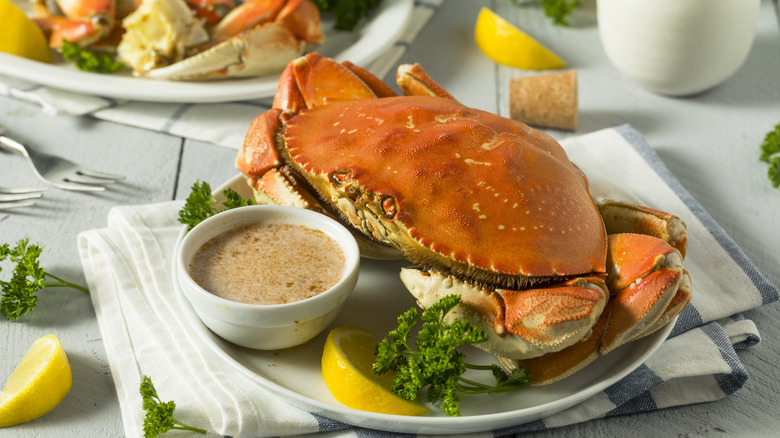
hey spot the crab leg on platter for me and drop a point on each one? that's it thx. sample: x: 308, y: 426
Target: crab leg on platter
x: 83, y: 22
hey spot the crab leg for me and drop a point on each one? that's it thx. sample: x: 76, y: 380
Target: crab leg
x: 245, y: 16
x: 652, y: 289
x: 415, y: 81
x: 623, y: 217
x: 646, y: 273
x: 377, y: 86
x: 519, y: 324
x: 552, y: 367
x: 211, y: 11
x: 302, y: 18
x: 84, y: 21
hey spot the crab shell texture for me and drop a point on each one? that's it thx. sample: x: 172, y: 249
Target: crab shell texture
x: 453, y: 187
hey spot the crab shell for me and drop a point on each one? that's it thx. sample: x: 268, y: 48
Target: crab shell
x: 452, y: 186
x: 491, y: 209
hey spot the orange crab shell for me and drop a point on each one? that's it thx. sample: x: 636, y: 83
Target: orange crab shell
x: 481, y: 191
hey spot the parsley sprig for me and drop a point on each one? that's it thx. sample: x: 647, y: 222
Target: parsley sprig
x: 28, y: 277
x: 770, y: 153
x: 434, y: 362
x: 159, y: 415
x: 556, y: 10
x: 88, y: 60
x: 347, y: 12
x: 199, y: 205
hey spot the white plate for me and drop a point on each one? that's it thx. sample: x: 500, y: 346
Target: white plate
x: 379, y: 297
x: 366, y: 43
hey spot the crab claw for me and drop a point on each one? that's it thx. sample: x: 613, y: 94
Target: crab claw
x: 245, y: 16
x: 302, y: 17
x: 262, y: 50
x: 553, y: 367
x: 646, y: 273
x: 84, y: 22
x: 519, y: 324
x: 652, y: 288
x: 623, y: 217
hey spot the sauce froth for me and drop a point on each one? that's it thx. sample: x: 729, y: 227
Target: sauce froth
x: 268, y: 263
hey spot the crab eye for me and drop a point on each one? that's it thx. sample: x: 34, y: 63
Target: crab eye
x: 340, y: 177
x: 389, y: 206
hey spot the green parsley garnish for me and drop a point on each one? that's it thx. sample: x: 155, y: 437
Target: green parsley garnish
x: 557, y: 10
x: 159, y: 416
x: 88, y: 60
x: 200, y: 202
x: 434, y: 361
x: 28, y: 278
x: 347, y: 12
x: 770, y: 153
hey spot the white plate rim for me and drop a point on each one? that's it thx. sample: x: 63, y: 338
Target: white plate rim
x: 422, y: 424
x: 382, y: 30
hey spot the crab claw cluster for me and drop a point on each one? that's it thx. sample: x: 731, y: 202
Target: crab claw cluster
x: 187, y: 40
x: 487, y: 207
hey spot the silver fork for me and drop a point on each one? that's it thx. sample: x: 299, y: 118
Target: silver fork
x: 15, y: 198
x: 57, y: 171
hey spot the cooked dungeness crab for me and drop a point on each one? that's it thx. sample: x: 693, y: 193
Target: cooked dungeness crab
x: 187, y: 40
x: 488, y: 207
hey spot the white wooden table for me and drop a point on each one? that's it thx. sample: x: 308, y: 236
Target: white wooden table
x: 710, y: 142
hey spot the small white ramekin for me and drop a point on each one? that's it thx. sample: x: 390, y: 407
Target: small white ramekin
x: 275, y: 326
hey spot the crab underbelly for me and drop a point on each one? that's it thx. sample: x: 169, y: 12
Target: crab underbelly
x: 453, y: 186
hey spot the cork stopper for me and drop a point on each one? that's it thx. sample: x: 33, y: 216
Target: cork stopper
x: 546, y: 100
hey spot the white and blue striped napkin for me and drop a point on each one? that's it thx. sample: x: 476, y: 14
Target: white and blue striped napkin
x: 126, y: 266
x: 222, y: 124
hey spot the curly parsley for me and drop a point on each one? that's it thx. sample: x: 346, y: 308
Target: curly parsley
x: 199, y: 204
x: 556, y: 10
x: 159, y: 416
x: 28, y: 277
x: 433, y: 361
x: 770, y: 153
x: 347, y: 12
x: 91, y: 61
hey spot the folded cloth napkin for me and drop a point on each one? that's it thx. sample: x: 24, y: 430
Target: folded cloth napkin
x: 127, y: 268
x: 223, y: 124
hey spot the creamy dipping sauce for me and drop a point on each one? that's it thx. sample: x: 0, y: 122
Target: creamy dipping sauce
x: 268, y: 264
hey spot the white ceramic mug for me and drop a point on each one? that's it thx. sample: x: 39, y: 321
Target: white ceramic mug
x: 677, y: 47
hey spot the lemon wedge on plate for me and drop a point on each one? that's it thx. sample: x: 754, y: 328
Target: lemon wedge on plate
x: 347, y: 362
x: 505, y: 44
x: 37, y: 385
x: 20, y: 36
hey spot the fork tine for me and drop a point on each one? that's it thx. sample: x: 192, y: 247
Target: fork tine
x: 83, y: 179
x: 77, y: 187
x: 16, y: 204
x: 19, y: 196
x: 104, y: 175
x: 22, y: 190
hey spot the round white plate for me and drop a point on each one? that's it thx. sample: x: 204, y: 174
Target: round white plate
x: 295, y: 374
x: 361, y: 46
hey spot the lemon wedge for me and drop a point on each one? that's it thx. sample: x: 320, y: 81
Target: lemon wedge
x: 347, y: 362
x: 505, y: 44
x: 37, y: 385
x: 20, y: 35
